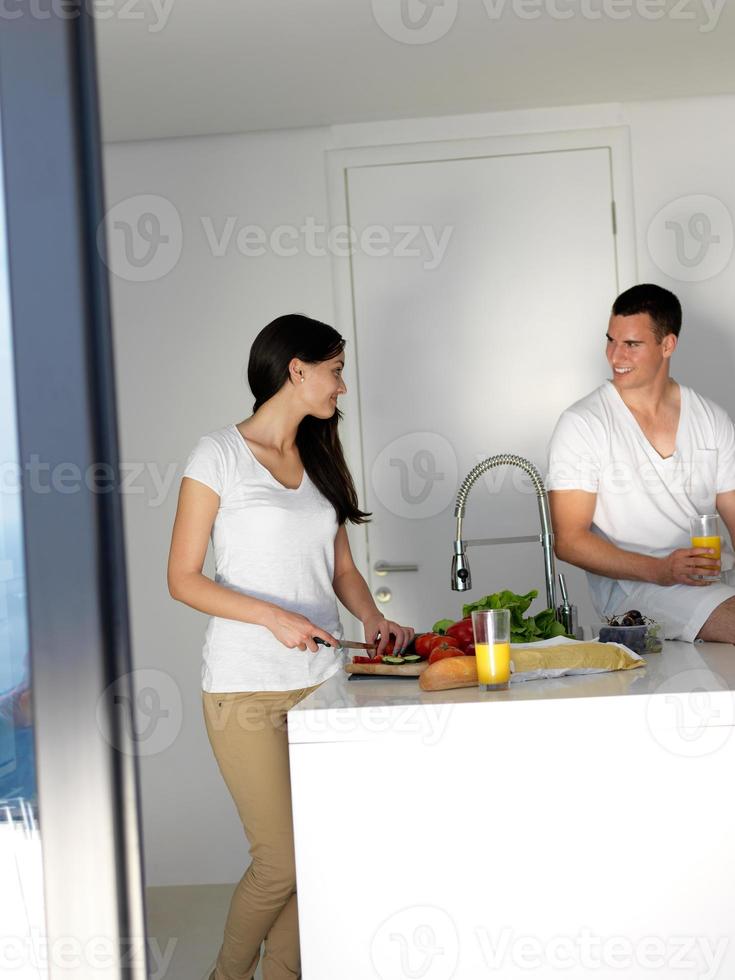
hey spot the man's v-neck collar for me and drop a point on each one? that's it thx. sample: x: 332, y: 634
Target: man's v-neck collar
x: 617, y: 400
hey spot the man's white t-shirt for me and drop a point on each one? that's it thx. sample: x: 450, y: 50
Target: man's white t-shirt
x: 271, y: 543
x: 644, y: 502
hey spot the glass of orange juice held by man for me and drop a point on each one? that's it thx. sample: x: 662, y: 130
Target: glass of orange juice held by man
x: 492, y: 648
x: 705, y: 533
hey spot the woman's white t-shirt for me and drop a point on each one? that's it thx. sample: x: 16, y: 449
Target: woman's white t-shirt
x: 270, y: 543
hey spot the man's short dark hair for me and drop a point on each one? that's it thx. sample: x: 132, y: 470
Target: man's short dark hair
x: 661, y: 305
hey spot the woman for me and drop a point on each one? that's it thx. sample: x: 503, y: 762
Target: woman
x: 275, y: 494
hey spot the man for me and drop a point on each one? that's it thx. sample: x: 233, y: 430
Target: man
x: 630, y: 464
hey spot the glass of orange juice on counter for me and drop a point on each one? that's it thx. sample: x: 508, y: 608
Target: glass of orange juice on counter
x: 492, y: 648
x: 705, y: 533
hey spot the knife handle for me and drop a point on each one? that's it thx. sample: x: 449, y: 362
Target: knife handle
x: 345, y: 644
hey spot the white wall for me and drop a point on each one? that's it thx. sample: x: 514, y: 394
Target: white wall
x: 181, y: 346
x: 182, y: 343
x: 680, y: 149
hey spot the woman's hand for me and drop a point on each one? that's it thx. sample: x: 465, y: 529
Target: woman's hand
x: 680, y: 567
x: 385, y: 627
x: 295, y: 631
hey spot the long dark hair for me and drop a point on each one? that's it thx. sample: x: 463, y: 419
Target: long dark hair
x: 317, y: 440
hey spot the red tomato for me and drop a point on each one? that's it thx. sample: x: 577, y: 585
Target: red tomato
x: 421, y: 644
x: 440, y: 652
x: 367, y: 660
x: 437, y: 640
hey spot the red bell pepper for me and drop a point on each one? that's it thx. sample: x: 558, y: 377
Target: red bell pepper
x: 462, y: 632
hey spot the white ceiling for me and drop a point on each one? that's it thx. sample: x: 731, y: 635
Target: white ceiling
x: 195, y: 67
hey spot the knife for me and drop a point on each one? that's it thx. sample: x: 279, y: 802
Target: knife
x: 347, y: 644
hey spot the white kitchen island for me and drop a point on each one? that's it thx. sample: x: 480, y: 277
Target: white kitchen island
x: 578, y: 827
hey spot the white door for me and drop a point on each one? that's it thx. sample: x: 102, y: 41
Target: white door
x: 485, y: 319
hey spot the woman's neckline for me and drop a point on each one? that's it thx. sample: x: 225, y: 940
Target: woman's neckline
x: 278, y: 483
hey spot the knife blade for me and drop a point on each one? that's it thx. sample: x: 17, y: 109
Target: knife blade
x: 347, y: 644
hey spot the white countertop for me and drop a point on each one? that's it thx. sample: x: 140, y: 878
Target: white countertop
x: 555, y: 810
x: 678, y: 669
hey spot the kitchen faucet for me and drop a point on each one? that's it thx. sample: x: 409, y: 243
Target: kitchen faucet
x: 461, y: 578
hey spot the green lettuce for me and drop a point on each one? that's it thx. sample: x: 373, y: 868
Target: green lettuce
x: 523, y: 629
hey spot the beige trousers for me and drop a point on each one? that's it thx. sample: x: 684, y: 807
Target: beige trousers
x: 249, y: 738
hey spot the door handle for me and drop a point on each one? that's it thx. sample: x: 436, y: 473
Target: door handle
x: 384, y: 567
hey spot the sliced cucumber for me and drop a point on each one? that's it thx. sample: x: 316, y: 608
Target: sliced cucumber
x: 393, y: 660
x: 412, y: 658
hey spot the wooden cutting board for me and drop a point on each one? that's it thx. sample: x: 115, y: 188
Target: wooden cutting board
x: 388, y: 670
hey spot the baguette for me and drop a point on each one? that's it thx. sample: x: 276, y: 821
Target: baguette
x: 448, y: 673
x: 533, y: 661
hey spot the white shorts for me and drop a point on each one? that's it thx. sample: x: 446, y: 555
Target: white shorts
x: 682, y: 610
